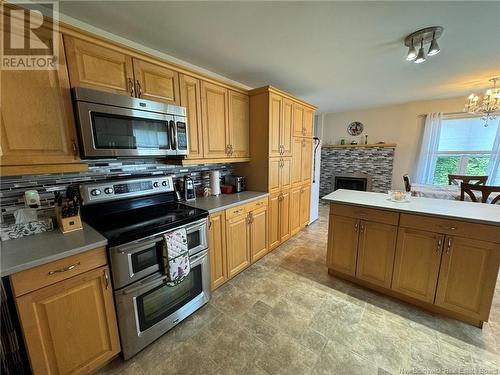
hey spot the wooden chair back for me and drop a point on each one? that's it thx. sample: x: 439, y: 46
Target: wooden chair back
x: 456, y: 179
x: 485, y: 192
x: 407, y: 182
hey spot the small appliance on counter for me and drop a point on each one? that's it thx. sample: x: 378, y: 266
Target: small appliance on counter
x: 215, y: 182
x: 189, y: 190
x: 238, y: 182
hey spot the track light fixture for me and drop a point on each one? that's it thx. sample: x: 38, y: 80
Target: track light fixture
x: 425, y: 36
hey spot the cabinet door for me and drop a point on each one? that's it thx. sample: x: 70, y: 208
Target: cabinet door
x: 155, y: 82
x: 215, y: 120
x: 70, y: 327
x: 342, y: 244
x: 191, y: 99
x: 239, y: 125
x: 298, y: 120
x: 274, y: 222
x: 36, y: 116
x: 98, y: 67
x: 287, y: 127
x: 305, y: 204
x: 468, y: 276
x: 296, y: 161
x: 275, y: 124
x: 308, y: 122
x: 295, y: 222
x: 258, y: 233
x: 274, y: 174
x: 377, y: 244
x: 217, y: 249
x: 237, y: 244
x: 286, y: 173
x: 284, y: 216
x: 306, y: 160
x: 416, y: 264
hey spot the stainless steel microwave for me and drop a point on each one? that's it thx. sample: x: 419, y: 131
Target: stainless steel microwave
x: 111, y: 125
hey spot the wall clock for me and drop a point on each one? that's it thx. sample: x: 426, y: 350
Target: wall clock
x: 355, y: 128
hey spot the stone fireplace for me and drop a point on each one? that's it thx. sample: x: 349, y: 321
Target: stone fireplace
x: 357, y: 168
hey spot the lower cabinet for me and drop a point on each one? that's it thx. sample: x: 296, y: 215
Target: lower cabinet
x: 305, y: 204
x: 258, y: 233
x: 284, y: 216
x: 279, y: 222
x: 295, y: 222
x: 342, y: 244
x: 416, y: 265
x: 237, y: 240
x: 70, y: 327
x: 217, y: 248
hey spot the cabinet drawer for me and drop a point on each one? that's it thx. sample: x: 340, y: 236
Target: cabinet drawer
x: 236, y: 211
x: 452, y: 227
x: 370, y: 214
x: 62, y: 269
x: 257, y: 204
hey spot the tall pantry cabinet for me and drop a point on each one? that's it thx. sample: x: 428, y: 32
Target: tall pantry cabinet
x: 281, y: 129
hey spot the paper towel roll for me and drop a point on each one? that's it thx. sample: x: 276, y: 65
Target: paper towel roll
x: 215, y: 182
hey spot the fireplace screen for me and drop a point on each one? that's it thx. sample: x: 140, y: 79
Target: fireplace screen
x: 351, y: 183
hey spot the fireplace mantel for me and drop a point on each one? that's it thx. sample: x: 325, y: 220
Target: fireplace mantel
x: 391, y: 145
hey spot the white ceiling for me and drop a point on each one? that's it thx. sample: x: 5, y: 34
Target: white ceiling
x: 336, y: 55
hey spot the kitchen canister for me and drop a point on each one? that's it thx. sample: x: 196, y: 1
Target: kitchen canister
x: 215, y: 182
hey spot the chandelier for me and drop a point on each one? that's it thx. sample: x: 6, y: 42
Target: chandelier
x: 489, y: 104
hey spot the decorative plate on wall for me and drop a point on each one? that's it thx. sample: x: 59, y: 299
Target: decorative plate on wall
x: 355, y: 128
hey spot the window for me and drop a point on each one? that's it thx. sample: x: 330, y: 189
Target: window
x: 465, y: 147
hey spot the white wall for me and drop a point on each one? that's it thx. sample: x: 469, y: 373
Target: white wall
x: 401, y: 124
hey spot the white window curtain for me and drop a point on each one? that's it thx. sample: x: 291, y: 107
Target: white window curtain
x: 426, y: 164
x: 494, y: 164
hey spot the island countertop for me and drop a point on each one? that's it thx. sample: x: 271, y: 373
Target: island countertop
x: 450, y: 209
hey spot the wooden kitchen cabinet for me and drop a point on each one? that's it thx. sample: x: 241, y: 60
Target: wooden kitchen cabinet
x: 217, y: 249
x: 295, y: 200
x: 70, y: 326
x: 156, y: 82
x: 296, y: 175
x: 377, y: 244
x: 306, y: 160
x: 280, y: 170
x: 275, y: 124
x: 190, y: 96
x: 305, y: 205
x: 214, y: 120
x: 99, y: 67
x: 237, y: 244
x: 284, y: 216
x: 258, y: 233
x: 467, y: 276
x: 342, y: 244
x: 416, y: 264
x: 274, y: 220
x: 308, y: 122
x: 239, y: 125
x: 286, y: 130
x: 37, y: 128
x: 298, y: 120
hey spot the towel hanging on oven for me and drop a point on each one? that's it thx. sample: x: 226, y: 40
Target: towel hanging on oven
x: 175, y: 256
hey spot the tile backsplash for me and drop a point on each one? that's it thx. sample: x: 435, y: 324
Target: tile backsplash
x: 12, y: 188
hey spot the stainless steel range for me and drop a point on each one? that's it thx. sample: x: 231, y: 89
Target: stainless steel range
x: 134, y: 215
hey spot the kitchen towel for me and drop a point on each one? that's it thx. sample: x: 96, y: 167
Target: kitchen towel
x: 176, y: 256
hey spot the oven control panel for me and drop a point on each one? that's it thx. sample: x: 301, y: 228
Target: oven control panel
x: 111, y: 190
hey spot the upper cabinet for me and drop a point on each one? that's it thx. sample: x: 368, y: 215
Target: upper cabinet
x: 99, y: 67
x: 105, y: 68
x: 239, y: 125
x: 36, y: 119
x: 191, y: 99
x: 302, y: 121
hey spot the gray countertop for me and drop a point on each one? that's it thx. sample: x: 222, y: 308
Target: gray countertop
x: 221, y: 202
x: 450, y: 209
x: 31, y: 251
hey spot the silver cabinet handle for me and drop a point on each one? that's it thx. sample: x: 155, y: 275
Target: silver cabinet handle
x: 69, y: 268
x: 440, y: 242
x: 448, y: 248
x: 75, y: 149
x: 131, y: 86
x: 139, y: 88
x: 362, y: 228
x: 356, y: 227
x: 106, y: 279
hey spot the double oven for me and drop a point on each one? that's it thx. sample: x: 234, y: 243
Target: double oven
x: 147, y: 305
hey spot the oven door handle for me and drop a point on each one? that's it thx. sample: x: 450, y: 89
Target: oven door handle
x: 130, y: 250
x: 173, y: 135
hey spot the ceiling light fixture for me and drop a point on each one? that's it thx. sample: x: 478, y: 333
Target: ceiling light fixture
x: 412, y: 52
x: 489, y: 104
x: 421, y: 54
x: 426, y: 36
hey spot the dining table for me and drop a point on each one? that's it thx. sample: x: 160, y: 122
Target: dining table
x: 450, y: 192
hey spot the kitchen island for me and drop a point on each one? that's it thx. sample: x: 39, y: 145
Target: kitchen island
x: 440, y: 255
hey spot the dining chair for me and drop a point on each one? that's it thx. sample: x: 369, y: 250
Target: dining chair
x: 406, y: 179
x: 456, y: 179
x: 485, y: 192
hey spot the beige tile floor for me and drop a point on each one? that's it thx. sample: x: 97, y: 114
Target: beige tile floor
x: 286, y: 315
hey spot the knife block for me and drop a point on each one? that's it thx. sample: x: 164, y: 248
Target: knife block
x: 68, y: 224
